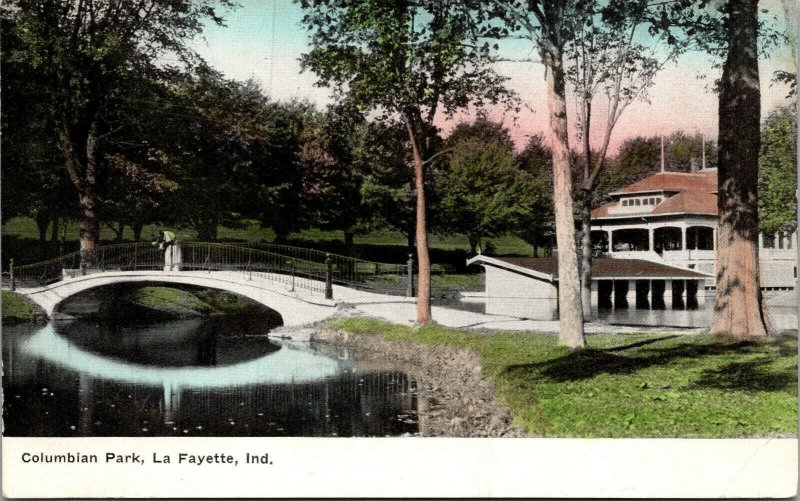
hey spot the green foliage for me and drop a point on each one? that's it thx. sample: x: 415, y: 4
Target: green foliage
x: 400, y: 57
x: 83, y: 63
x: 477, y: 184
x: 777, y: 172
x: 386, y: 191
x: 640, y: 157
x: 18, y: 309
x: 631, y: 385
x: 534, y: 191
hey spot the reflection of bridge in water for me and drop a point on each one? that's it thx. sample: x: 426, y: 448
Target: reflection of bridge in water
x: 295, y: 391
x: 298, y: 283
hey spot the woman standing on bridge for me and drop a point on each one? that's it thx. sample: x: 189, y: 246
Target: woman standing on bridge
x: 169, y: 243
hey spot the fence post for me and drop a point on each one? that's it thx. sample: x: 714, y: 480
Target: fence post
x: 249, y: 259
x: 328, y: 277
x: 291, y: 270
x: 410, y: 280
x: 11, y: 273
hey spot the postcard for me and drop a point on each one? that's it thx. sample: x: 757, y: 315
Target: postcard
x: 383, y: 248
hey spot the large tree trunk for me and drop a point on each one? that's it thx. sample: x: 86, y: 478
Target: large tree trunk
x: 738, y: 310
x: 474, y: 242
x: 423, y: 256
x: 569, y: 292
x: 54, y: 231
x: 42, y: 222
x: 80, y: 148
x: 137, y: 231
x: 348, y: 242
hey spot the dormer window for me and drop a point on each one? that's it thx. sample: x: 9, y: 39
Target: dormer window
x: 645, y: 202
x: 624, y: 203
x: 638, y: 202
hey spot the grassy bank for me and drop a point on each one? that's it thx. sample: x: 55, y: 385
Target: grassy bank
x: 25, y: 227
x: 632, y: 385
x: 193, y: 299
x: 18, y: 309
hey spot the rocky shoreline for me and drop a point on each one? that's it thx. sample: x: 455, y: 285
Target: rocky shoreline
x: 453, y: 399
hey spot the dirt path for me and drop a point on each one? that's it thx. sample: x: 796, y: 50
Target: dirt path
x: 453, y: 399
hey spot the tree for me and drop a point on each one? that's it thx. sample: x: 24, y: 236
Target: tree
x: 777, y: 172
x: 31, y: 159
x: 387, y: 190
x: 332, y: 174
x: 477, y: 182
x: 408, y: 60
x: 534, y: 192
x: 738, y: 310
x: 607, y: 58
x: 85, y: 49
x: 220, y: 151
x: 549, y: 25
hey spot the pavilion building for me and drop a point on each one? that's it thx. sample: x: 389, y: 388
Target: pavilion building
x: 671, y: 218
x: 654, y: 248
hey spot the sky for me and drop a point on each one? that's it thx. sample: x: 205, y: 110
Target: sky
x: 263, y: 40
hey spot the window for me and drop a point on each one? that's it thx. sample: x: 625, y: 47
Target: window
x: 652, y: 201
x: 645, y: 202
x: 700, y: 238
x: 658, y: 200
x: 781, y: 239
x: 624, y: 203
x: 638, y: 202
x: 768, y: 241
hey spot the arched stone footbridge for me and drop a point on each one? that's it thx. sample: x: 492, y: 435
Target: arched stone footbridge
x: 298, y: 283
x: 296, y: 307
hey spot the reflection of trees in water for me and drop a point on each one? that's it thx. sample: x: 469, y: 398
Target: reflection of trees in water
x: 376, y: 404
x: 184, y: 343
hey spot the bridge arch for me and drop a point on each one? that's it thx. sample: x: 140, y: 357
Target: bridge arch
x: 295, y: 307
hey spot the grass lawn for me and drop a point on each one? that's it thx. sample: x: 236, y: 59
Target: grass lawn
x: 206, y: 301
x: 168, y: 297
x: 25, y: 227
x: 631, y: 385
x: 17, y: 309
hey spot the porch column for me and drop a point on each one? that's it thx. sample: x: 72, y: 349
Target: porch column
x: 650, y: 294
x: 701, y: 292
x: 714, y: 238
x: 610, y: 245
x: 631, y: 295
x: 668, y: 294
x: 683, y: 238
x: 595, y: 296
x: 614, y: 304
x: 650, y: 233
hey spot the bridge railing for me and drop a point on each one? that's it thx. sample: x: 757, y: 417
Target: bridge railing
x: 295, y: 273
x: 297, y: 268
x: 387, y: 278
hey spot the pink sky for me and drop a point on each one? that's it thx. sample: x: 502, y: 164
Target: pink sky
x: 263, y: 41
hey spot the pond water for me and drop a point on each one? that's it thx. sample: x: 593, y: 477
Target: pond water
x: 199, y: 377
